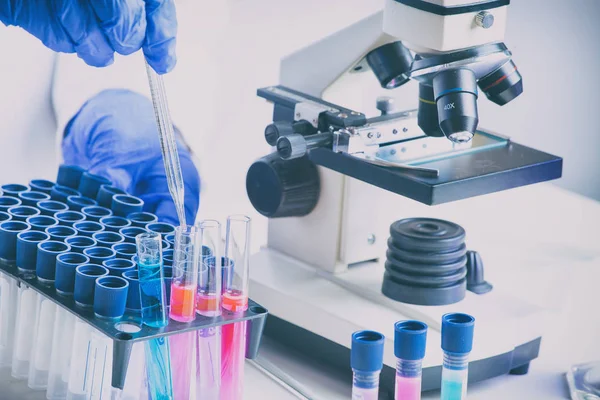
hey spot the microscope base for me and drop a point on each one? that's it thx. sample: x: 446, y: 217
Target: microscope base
x: 316, y: 313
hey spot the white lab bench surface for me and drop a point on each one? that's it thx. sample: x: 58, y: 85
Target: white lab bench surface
x: 558, y: 268
x: 565, y: 282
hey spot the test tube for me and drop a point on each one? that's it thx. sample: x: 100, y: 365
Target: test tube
x: 154, y: 305
x: 91, y: 364
x: 158, y: 369
x: 151, y: 277
x: 77, y: 389
x: 41, y: 351
x: 185, y: 274
x: 184, y: 283
x: 60, y: 359
x: 235, y: 301
x: 9, y: 295
x: 24, y: 332
x: 366, y: 360
x: 208, y: 343
x: 409, y: 348
x: 457, y: 342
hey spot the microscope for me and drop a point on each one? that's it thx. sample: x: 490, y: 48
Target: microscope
x: 330, y: 187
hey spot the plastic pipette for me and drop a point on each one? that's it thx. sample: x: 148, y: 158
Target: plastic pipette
x: 168, y: 143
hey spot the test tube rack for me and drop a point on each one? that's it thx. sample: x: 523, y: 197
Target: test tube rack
x: 129, y: 329
x: 123, y: 330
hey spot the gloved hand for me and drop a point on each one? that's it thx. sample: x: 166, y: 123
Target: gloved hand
x: 114, y: 134
x: 95, y: 29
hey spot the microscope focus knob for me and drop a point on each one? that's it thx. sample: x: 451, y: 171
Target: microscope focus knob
x: 283, y: 188
x: 386, y: 105
x: 484, y: 19
x: 276, y: 130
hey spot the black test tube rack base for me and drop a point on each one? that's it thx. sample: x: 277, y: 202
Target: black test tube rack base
x: 127, y: 330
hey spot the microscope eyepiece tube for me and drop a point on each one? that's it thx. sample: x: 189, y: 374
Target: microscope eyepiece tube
x: 455, y: 93
x: 391, y: 64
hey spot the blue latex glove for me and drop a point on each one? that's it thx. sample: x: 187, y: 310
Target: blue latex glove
x: 95, y: 29
x: 114, y: 135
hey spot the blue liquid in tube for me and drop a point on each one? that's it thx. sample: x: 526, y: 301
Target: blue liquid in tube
x: 153, y: 295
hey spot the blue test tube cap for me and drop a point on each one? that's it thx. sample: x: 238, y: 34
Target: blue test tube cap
x: 32, y: 198
x: 113, y: 223
x: 13, y: 189
x: 123, y: 205
x: 457, y: 333
x: 89, y: 186
x: 51, y: 207
x: 95, y: 213
x: 141, y: 219
x: 69, y: 175
x: 21, y: 213
x: 85, y: 283
x: 366, y: 353
x: 41, y: 185
x: 60, y: 193
x: 110, y: 296
x: 160, y: 227
x: 410, y: 338
x: 7, y: 202
x: 80, y: 243
x: 106, y: 193
x: 130, y: 232
x: 76, y: 203
x: 60, y: 232
x: 4, y: 216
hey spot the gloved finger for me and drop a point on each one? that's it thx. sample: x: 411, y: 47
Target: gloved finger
x: 161, y: 32
x: 80, y: 24
x: 154, y: 190
x: 123, y: 22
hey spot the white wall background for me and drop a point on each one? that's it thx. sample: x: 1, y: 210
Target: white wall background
x: 228, y: 49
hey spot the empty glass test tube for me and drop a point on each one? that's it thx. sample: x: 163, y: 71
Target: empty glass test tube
x: 208, y: 341
x: 60, y: 359
x: 41, y: 351
x: 235, y: 301
x: 186, y: 260
x: 24, y: 332
x: 366, y: 360
x: 409, y: 348
x: 457, y: 343
x: 9, y: 295
x: 91, y: 364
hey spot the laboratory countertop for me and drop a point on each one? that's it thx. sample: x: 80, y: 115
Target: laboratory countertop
x: 562, y: 277
x: 567, y: 288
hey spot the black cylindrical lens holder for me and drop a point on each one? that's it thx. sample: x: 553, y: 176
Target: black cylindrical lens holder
x: 455, y: 93
x: 426, y: 262
x: 427, y: 115
x: 502, y: 85
x: 391, y: 64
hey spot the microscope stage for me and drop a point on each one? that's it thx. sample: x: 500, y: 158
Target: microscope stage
x: 497, y: 165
